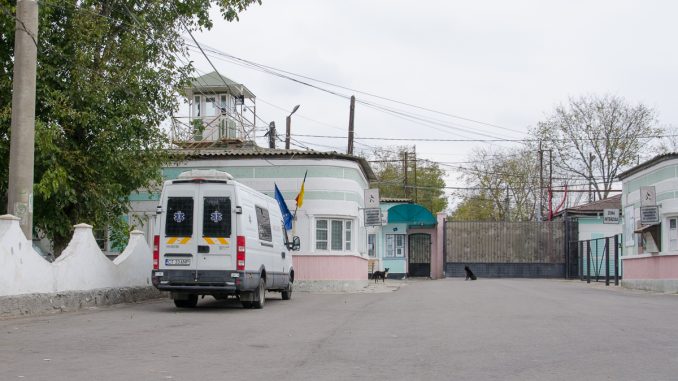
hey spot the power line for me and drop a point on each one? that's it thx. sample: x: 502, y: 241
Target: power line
x: 273, y: 69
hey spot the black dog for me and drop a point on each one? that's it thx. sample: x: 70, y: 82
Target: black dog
x: 469, y: 274
x: 380, y: 274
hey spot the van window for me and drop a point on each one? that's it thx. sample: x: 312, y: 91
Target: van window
x: 264, y: 223
x: 216, y: 219
x: 179, y: 222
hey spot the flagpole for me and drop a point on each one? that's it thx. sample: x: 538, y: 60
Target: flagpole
x: 302, y: 188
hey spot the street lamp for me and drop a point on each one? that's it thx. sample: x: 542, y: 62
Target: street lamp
x: 289, y: 127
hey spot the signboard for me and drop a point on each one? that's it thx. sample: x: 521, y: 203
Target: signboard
x: 649, y: 215
x: 648, y: 196
x: 371, y: 198
x: 373, y: 217
x: 610, y: 216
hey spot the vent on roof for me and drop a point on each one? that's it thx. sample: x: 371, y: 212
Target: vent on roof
x: 211, y: 174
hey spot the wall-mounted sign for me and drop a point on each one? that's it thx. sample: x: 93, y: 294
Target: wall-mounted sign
x: 648, y: 196
x: 649, y: 215
x: 371, y: 198
x: 373, y: 217
x: 610, y: 216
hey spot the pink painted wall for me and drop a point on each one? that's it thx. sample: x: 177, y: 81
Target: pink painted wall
x: 329, y: 267
x: 654, y: 267
x: 436, y: 255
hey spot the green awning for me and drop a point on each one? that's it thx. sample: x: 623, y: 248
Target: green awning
x: 411, y: 214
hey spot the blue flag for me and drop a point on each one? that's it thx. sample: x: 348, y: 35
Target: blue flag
x: 287, y: 216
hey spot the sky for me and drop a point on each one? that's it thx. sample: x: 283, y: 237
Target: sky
x: 505, y: 64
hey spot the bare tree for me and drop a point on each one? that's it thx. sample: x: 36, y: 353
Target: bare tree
x: 595, y: 138
x: 503, y: 185
x: 668, y: 142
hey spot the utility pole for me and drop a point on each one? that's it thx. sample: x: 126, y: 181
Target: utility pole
x: 591, y: 194
x: 507, y: 214
x: 416, y: 193
x: 271, y: 135
x: 22, y: 141
x: 289, y: 127
x: 288, y: 130
x: 350, y: 126
x: 405, y: 170
x: 541, y: 182
x: 550, y: 182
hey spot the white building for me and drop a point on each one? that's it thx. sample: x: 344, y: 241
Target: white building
x: 330, y: 222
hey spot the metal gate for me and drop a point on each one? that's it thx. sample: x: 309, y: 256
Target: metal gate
x: 419, y: 255
x: 506, y: 249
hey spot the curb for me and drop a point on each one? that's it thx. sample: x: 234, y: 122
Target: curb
x: 68, y: 301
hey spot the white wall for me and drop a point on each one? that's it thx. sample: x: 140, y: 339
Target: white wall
x: 82, y: 265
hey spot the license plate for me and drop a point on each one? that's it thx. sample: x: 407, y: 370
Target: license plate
x: 177, y: 261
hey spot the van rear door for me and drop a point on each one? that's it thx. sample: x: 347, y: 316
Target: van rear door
x: 216, y: 229
x: 178, y: 243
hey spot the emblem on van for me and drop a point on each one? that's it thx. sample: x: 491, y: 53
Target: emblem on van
x: 216, y: 216
x: 179, y: 216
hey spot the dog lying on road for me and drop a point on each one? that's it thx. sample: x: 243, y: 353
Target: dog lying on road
x: 380, y: 274
x: 469, y: 273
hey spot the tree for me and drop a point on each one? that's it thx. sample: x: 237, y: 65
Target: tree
x: 503, y: 185
x: 594, y: 138
x: 107, y: 77
x: 425, y: 182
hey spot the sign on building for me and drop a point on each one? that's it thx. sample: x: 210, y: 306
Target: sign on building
x: 648, y: 196
x: 371, y: 198
x: 372, y: 217
x: 649, y: 215
x: 610, y: 216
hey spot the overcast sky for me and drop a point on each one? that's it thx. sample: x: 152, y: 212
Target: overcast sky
x: 505, y: 63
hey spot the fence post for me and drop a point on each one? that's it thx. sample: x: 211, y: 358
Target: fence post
x: 607, y: 261
x: 588, y: 261
x: 580, y: 260
x: 616, y: 260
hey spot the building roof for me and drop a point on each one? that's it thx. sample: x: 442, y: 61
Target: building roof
x: 215, y: 82
x: 411, y: 214
x: 595, y: 207
x: 395, y: 200
x: 254, y: 152
x: 654, y: 161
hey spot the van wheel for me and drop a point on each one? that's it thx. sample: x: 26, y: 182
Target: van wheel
x: 287, y: 293
x: 260, y: 293
x: 191, y: 302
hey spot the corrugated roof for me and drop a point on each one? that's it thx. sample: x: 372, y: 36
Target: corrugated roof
x: 215, y: 82
x: 595, y: 207
x: 395, y: 200
x: 290, y: 154
x: 655, y: 160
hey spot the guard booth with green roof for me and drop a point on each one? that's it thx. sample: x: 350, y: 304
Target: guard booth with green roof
x: 406, y: 243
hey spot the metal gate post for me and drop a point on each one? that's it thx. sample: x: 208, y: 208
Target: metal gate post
x: 616, y: 260
x: 607, y: 261
x: 580, y: 260
x: 588, y: 261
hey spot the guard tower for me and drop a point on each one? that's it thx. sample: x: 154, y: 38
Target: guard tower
x: 221, y: 113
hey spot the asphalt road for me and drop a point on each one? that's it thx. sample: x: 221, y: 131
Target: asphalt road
x: 448, y: 329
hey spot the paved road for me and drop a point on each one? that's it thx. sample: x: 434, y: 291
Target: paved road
x: 446, y: 329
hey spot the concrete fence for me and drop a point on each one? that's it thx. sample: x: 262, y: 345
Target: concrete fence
x: 81, y: 267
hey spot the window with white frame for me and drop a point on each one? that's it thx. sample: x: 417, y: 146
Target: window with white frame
x: 395, y: 245
x: 211, y: 106
x: 333, y: 234
x: 629, y: 226
x: 196, y: 106
x: 372, y: 245
x: 673, y: 234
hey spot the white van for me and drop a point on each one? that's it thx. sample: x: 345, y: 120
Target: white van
x: 218, y: 237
